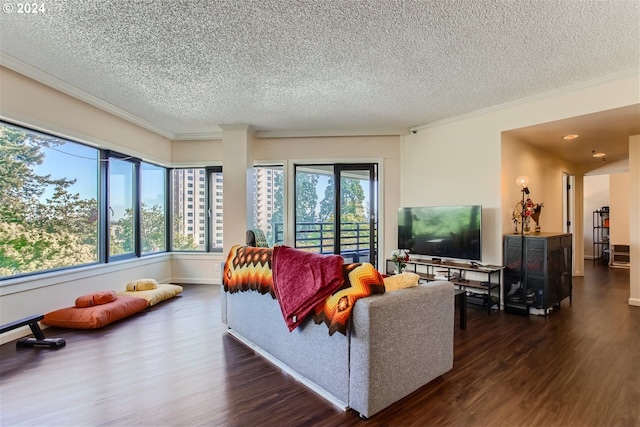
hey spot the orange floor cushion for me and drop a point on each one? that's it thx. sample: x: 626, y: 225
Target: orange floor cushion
x: 96, y: 316
x: 154, y: 296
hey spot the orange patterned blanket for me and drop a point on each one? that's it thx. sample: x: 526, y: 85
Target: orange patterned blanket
x: 361, y: 280
x: 249, y: 268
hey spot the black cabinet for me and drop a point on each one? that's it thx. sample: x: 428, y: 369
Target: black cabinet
x: 537, y: 271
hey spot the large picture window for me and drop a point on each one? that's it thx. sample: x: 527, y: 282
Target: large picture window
x: 48, y: 202
x: 65, y: 204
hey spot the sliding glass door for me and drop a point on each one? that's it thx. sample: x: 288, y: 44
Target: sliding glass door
x: 351, y: 191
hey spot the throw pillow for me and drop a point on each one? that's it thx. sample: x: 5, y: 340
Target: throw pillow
x: 96, y: 298
x: 142, y: 285
x: 401, y: 281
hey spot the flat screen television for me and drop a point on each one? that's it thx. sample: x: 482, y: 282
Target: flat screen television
x: 441, y: 231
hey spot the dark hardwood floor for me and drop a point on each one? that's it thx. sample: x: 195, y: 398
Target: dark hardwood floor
x: 174, y: 365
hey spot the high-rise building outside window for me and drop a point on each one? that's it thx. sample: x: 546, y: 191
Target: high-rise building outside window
x: 267, y: 191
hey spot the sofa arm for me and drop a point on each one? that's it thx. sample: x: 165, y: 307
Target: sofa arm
x: 400, y: 341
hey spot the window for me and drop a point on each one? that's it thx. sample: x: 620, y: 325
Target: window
x: 267, y: 192
x: 184, y: 236
x: 122, y: 221
x: 153, y: 190
x: 215, y: 211
x: 64, y: 204
x: 48, y: 202
x: 336, y: 210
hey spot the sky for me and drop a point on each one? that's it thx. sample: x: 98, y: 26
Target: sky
x: 76, y: 161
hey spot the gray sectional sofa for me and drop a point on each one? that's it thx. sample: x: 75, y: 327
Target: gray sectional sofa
x: 396, y: 343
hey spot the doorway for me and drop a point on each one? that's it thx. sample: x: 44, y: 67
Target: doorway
x: 336, y: 210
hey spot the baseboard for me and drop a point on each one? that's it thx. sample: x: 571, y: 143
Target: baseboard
x: 193, y: 281
x: 634, y: 301
x: 296, y: 375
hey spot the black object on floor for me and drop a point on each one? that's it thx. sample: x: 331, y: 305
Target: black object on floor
x: 39, y: 339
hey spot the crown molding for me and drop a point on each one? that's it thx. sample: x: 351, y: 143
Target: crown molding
x: 634, y: 72
x: 197, y: 136
x: 320, y: 133
x: 316, y: 133
x: 47, y: 79
x: 91, y: 141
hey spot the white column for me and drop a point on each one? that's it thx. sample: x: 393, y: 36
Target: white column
x: 237, y: 159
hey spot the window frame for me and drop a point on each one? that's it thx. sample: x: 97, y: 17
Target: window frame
x: 103, y: 157
x: 206, y: 214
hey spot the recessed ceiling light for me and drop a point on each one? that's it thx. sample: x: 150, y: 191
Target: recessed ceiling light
x: 598, y: 155
x: 573, y: 136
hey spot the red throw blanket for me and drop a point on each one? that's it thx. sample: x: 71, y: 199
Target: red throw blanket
x: 302, y: 279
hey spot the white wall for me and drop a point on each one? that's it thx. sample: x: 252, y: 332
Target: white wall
x: 452, y: 164
x: 619, y: 212
x: 196, y: 153
x: 596, y: 195
x: 545, y: 173
x: 27, y: 102
x: 460, y: 160
x: 634, y: 218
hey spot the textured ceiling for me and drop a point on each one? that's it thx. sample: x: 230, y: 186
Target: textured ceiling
x: 378, y: 66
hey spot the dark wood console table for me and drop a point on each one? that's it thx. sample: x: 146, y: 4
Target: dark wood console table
x: 481, y: 283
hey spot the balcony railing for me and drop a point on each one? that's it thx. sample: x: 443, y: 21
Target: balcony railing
x: 319, y: 237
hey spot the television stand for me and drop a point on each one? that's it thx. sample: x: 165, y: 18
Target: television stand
x: 483, y: 288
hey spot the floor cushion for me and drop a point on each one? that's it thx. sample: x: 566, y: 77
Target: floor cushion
x: 154, y: 296
x: 96, y: 316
